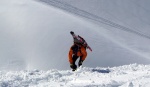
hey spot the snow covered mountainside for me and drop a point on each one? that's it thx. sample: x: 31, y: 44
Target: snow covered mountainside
x: 35, y: 40
x: 123, y: 76
x: 34, y: 34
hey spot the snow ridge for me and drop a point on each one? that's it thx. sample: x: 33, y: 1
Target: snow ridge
x: 133, y: 75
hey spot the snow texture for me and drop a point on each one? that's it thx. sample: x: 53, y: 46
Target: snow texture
x: 35, y: 40
x: 32, y: 31
x: 133, y: 75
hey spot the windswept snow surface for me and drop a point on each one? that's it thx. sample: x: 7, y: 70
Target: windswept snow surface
x: 34, y: 34
x: 133, y: 75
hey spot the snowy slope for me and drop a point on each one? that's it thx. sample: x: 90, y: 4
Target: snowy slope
x: 35, y: 39
x: 35, y: 35
x: 123, y: 76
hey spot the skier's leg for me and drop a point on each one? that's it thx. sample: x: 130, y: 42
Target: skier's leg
x: 74, y: 66
x: 74, y: 59
x: 80, y: 61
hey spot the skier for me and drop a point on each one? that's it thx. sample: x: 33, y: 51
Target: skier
x: 77, y: 50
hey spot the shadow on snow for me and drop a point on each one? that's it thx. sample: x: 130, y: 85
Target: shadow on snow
x: 101, y: 70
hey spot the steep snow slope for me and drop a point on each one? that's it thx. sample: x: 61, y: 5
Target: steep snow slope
x: 130, y: 13
x: 86, y: 9
x: 123, y: 76
x: 36, y: 35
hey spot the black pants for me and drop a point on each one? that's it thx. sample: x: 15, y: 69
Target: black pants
x: 75, y: 58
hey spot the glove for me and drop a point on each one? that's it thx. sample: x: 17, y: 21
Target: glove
x: 73, y: 66
x: 80, y: 63
x: 71, y: 32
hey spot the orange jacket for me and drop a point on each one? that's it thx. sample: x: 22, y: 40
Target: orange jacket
x: 82, y: 52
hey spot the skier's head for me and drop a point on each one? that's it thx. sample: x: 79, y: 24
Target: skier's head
x: 71, y: 32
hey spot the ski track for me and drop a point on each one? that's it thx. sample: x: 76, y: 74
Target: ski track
x: 74, y: 10
x: 133, y: 75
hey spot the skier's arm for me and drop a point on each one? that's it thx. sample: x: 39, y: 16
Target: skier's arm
x: 84, y: 53
x: 70, y: 56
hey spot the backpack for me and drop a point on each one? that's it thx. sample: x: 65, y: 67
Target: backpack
x: 80, y: 41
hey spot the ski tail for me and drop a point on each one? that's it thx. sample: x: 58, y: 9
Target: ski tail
x: 89, y: 48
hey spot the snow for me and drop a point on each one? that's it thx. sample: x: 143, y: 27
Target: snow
x: 35, y: 40
x: 38, y: 27
x: 133, y: 75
